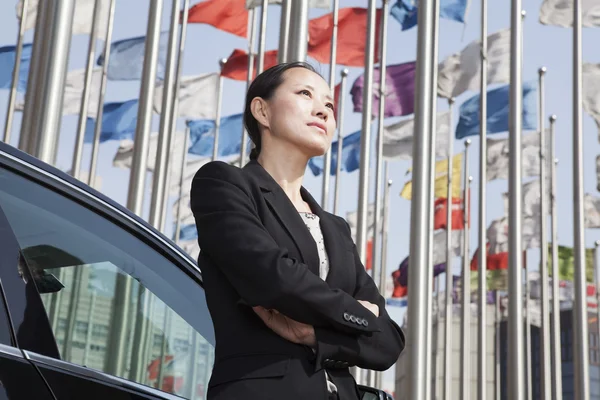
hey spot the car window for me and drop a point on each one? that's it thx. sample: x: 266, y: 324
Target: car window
x: 115, y: 303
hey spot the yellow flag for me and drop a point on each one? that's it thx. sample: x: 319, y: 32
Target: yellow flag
x: 441, y: 179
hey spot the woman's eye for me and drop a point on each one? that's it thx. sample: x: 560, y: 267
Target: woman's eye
x: 330, y: 105
x: 305, y: 92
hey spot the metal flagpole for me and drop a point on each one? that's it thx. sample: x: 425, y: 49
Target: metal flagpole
x: 284, y: 31
x: 580, y: 328
x: 332, y: 64
x: 597, y: 281
x: 165, y: 134
x: 10, y: 112
x: 544, y: 244
x: 556, y: 380
x: 515, y: 289
x: 181, y: 181
x: 252, y: 23
x: 497, y: 351
x: 465, y: 359
x: 449, y: 278
x: 340, y: 128
x: 482, y: 254
x: 263, y: 36
x: 298, y: 31
x: 419, y: 226
x: 85, y: 98
x: 100, y: 109
x: 215, y: 154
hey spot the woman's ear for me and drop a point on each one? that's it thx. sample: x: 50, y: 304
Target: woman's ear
x: 258, y: 107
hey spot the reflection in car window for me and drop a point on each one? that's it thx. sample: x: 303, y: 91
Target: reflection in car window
x: 115, y: 304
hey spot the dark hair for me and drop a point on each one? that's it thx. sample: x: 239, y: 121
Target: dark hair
x: 263, y: 86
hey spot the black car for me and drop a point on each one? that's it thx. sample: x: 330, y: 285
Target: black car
x: 95, y: 303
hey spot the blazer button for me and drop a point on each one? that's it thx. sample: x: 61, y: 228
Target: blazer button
x: 347, y: 316
x: 353, y: 319
x: 365, y: 322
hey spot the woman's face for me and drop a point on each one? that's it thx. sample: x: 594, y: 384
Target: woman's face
x: 300, y: 112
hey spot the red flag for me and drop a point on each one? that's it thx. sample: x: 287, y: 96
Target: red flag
x: 441, y: 213
x: 236, y: 66
x: 227, y: 15
x: 351, y: 42
x: 494, y: 261
x: 336, y: 98
x: 369, y: 263
x: 399, y: 289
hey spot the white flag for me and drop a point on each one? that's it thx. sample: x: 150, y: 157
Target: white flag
x: 591, y: 207
x: 439, y: 245
x: 461, y: 71
x: 591, y: 92
x: 352, y: 219
x: 197, y: 96
x: 498, y: 157
x: 74, y: 92
x: 497, y: 234
x: 532, y: 203
x: 560, y: 12
x: 311, y: 3
x: 82, y: 16
x: 598, y: 173
x: 398, y: 138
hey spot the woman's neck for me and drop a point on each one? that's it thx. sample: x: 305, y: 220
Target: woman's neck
x: 288, y: 172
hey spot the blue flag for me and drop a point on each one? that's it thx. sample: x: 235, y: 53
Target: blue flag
x: 118, y: 122
x: 127, y: 58
x: 188, y: 232
x: 202, y: 136
x: 405, y: 11
x: 350, y: 156
x: 7, y: 63
x: 497, y: 111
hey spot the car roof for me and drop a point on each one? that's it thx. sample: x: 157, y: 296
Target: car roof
x: 98, y: 199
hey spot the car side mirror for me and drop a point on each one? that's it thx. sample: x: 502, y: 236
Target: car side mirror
x: 370, y: 393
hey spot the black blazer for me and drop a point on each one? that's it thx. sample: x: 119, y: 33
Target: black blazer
x: 256, y: 250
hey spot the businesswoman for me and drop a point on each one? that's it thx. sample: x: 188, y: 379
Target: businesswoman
x: 292, y: 305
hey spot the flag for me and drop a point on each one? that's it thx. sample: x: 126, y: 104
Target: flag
x: 399, y: 90
x: 493, y: 261
x: 441, y: 213
x: 532, y: 206
x: 7, y: 63
x: 461, y: 71
x: 236, y: 67
x: 497, y: 234
x: 591, y: 206
x: 441, y: 179
x: 352, y: 219
x: 202, y: 134
x: 591, y: 92
x: 197, y: 96
x: 227, y: 15
x: 497, y: 279
x: 82, y: 16
x: 497, y: 111
x: 127, y: 58
x: 311, y: 3
x: 566, y: 263
x: 350, y: 156
x: 560, y: 13
x: 398, y: 138
x: 498, y: 157
x: 352, y: 34
x: 439, y: 245
x: 369, y: 260
x: 118, y: 122
x: 598, y: 173
x: 405, y: 11
x: 400, y: 277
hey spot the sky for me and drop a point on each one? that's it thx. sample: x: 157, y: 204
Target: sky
x: 543, y: 46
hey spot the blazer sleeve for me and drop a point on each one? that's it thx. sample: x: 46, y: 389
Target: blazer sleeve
x: 232, y: 236
x: 377, y: 351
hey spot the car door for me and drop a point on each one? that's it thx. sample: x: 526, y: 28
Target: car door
x: 120, y: 313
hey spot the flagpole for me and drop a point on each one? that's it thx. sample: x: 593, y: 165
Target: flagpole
x: 597, y: 279
x: 515, y: 289
x: 85, y: 98
x: 546, y: 383
x: 449, y: 279
x: 100, y: 109
x: 556, y: 380
x: 215, y: 154
x: 298, y: 31
x: 251, y: 45
x: 580, y: 329
x: 284, y: 31
x: 165, y: 134
x: 482, y: 254
x: 497, y: 350
x: 10, y: 112
x: 465, y: 362
x: 340, y: 126
x: 263, y: 36
x: 332, y: 64
x: 419, y: 219
x: 181, y: 181
x: 175, y: 105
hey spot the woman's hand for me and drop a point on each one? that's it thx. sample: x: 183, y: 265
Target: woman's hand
x: 287, y: 328
x: 374, y: 308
